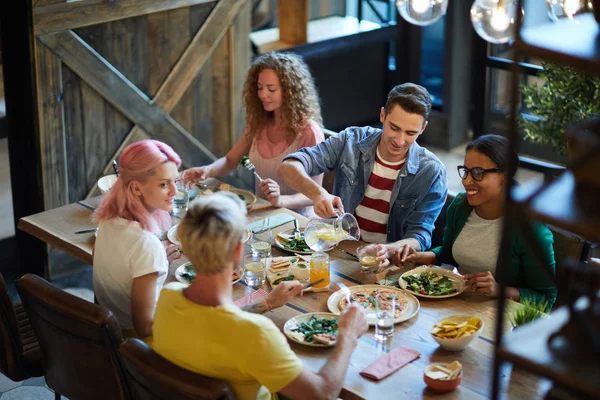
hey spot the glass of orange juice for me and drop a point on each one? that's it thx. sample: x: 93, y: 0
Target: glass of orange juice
x: 319, y: 268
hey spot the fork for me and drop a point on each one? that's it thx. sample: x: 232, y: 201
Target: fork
x: 345, y: 291
x: 297, y: 234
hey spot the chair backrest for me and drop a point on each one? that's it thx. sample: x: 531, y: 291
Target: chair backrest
x: 152, y: 377
x: 568, y: 245
x: 11, y: 349
x: 79, y: 342
x: 437, y: 236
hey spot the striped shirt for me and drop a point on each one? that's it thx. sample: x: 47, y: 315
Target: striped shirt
x: 373, y: 211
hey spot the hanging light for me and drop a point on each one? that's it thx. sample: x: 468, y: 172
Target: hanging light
x: 567, y: 8
x: 422, y: 12
x: 494, y: 22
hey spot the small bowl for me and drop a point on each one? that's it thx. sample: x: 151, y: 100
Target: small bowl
x: 440, y: 385
x: 106, y: 182
x: 460, y: 343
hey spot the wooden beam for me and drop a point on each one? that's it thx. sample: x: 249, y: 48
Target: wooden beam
x: 189, y: 66
x: 292, y: 18
x: 125, y: 96
x: 58, y: 17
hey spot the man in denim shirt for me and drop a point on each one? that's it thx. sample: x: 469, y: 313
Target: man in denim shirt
x: 395, y: 187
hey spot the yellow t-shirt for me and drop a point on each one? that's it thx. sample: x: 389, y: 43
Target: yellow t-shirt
x: 224, y: 342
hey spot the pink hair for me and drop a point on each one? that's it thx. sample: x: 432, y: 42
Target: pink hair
x: 138, y: 162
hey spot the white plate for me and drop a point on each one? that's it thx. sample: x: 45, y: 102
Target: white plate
x: 245, y: 196
x: 296, y: 321
x: 412, y: 307
x: 182, y: 268
x: 458, y: 281
x: 172, y: 234
x: 290, y: 232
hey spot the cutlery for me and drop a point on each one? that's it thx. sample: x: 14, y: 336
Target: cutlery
x: 302, y: 257
x: 349, y: 254
x: 245, y: 162
x: 86, y: 231
x: 115, y: 167
x: 313, y: 283
x: 345, y: 291
x: 297, y: 233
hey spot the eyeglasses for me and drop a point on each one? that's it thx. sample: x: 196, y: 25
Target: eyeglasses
x: 476, y: 172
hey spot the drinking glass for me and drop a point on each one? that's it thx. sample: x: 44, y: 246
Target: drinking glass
x: 367, y: 257
x: 385, y: 306
x: 182, y: 198
x: 262, y: 240
x: 254, y: 270
x: 319, y: 268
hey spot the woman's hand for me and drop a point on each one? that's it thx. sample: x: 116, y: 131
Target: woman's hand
x: 482, y: 282
x: 283, y: 293
x: 173, y: 250
x: 272, y: 191
x: 193, y: 175
x: 406, y: 256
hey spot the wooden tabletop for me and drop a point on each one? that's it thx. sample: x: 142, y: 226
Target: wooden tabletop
x: 56, y: 227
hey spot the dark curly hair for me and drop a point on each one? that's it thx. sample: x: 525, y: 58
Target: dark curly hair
x: 300, y: 100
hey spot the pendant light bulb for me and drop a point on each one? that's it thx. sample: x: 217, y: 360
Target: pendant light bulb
x: 495, y: 24
x: 422, y: 12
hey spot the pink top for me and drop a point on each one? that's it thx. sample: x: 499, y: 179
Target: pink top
x: 267, y: 156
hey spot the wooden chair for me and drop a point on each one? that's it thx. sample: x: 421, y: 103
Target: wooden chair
x: 79, y: 341
x: 151, y: 377
x: 20, y: 355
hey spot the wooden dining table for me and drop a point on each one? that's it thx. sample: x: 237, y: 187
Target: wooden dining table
x: 56, y: 227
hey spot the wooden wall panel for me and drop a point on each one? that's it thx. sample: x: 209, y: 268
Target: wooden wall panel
x: 51, y: 119
x: 240, y: 64
x: 220, y: 95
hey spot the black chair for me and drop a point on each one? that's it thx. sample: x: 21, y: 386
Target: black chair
x: 437, y: 236
x: 152, y: 377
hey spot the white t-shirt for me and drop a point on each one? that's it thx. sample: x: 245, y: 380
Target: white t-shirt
x: 124, y: 251
x: 477, y: 245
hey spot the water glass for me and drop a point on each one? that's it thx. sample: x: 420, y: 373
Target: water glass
x: 367, y: 257
x: 319, y: 268
x: 182, y: 198
x: 385, y: 306
x: 262, y: 240
x: 254, y: 270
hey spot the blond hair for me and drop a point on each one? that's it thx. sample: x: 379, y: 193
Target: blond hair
x: 210, y: 231
x: 300, y: 99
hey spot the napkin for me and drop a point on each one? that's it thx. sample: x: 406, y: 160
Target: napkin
x: 390, y: 280
x: 251, y: 298
x: 390, y: 363
x: 274, y: 221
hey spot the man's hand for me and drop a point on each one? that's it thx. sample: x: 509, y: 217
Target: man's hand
x: 283, y: 293
x: 272, y: 191
x: 405, y: 256
x: 353, y: 321
x: 325, y: 203
x: 193, y: 175
x: 383, y: 255
x: 482, y: 282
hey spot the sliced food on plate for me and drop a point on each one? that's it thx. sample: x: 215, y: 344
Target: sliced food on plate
x: 288, y: 269
x: 366, y: 298
x: 314, y: 329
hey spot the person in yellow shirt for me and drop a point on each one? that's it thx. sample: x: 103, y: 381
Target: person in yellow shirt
x: 201, y: 329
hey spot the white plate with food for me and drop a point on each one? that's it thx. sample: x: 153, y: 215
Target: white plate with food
x: 244, y: 195
x: 407, y: 305
x: 286, y: 240
x: 186, y: 274
x: 283, y: 269
x: 432, y: 282
x: 172, y: 234
x: 317, y: 329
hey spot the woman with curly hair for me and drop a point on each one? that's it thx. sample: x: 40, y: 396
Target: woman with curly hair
x: 283, y: 115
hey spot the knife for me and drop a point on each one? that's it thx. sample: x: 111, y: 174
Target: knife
x: 349, y: 254
x: 86, y: 231
x: 313, y: 283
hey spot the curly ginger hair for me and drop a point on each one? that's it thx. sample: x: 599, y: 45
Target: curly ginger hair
x: 300, y: 99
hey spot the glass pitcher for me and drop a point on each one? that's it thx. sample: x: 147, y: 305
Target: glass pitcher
x: 324, y: 234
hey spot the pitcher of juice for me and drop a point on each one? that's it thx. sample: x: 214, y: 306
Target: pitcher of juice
x: 324, y: 234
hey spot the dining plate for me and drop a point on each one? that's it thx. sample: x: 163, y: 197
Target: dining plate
x: 457, y: 281
x: 172, y: 234
x: 283, y: 235
x: 295, y: 322
x: 180, y: 271
x: 248, y: 198
x: 410, y: 310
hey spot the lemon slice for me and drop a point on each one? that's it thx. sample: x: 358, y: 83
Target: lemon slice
x: 261, y: 246
x: 368, y: 260
x: 255, y: 267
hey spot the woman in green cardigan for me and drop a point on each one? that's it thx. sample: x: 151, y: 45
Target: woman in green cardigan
x: 473, y: 229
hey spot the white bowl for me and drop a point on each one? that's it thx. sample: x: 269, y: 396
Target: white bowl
x: 460, y: 343
x: 106, y: 182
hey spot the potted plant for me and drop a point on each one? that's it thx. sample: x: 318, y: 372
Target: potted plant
x: 529, y: 310
x: 566, y: 96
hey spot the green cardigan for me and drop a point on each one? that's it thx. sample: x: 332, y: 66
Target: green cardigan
x: 524, y: 272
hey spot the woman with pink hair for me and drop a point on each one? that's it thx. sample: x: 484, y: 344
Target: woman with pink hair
x: 130, y: 262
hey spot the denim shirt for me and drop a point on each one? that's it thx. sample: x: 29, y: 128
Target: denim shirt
x: 419, y: 192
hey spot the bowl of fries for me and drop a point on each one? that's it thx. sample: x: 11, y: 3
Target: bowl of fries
x: 456, y: 332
